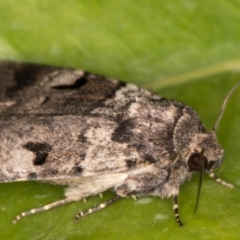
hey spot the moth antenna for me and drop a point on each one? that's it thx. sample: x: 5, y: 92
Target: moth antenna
x: 224, y: 106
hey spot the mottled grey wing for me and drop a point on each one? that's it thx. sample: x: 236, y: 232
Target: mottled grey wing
x: 40, y: 89
x: 57, y: 122
x: 45, y: 113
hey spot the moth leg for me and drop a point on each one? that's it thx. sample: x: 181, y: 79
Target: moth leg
x: 44, y: 208
x: 219, y: 180
x: 96, y: 208
x: 175, y: 208
x: 134, y: 197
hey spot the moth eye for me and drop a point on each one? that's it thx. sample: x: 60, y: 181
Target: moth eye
x: 197, y: 161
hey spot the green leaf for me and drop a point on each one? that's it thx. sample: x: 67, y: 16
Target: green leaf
x: 186, y: 50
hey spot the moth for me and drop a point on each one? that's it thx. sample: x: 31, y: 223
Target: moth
x: 92, y: 133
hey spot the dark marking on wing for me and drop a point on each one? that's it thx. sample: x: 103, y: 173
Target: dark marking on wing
x: 131, y: 163
x: 123, y: 133
x: 40, y: 149
x: 77, y: 169
x: 24, y: 75
x: 15, y: 77
x: 82, y: 156
x: 82, y: 138
x: 149, y: 158
x: 32, y: 175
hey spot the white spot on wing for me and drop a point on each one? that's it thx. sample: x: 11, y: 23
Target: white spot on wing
x: 64, y: 77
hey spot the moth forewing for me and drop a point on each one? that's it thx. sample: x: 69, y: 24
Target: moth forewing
x: 92, y: 133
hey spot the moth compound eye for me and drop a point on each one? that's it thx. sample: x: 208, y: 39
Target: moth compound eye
x: 197, y: 161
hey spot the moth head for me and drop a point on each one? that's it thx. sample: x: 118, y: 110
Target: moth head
x: 206, y: 153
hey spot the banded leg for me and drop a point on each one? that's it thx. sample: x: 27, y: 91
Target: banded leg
x: 97, y: 208
x: 219, y: 180
x: 175, y: 208
x: 44, y: 208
